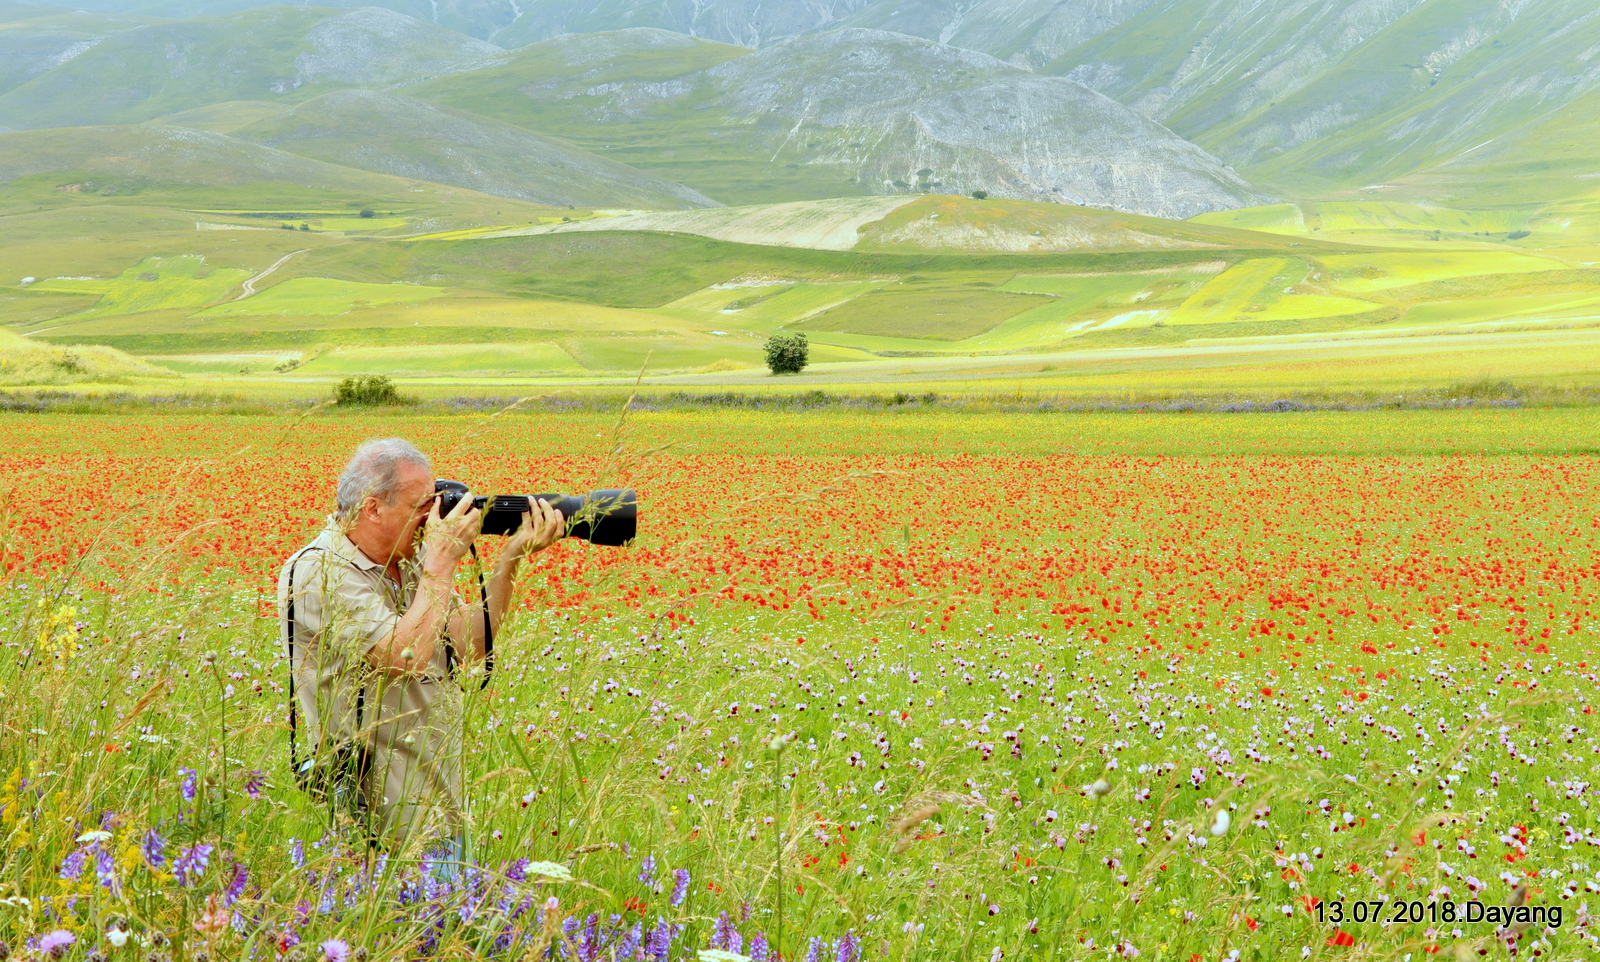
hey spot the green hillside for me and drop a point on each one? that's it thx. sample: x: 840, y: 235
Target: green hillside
x: 36, y: 39
x: 199, y: 171
x: 289, y: 53
x: 393, y: 134
x: 228, y: 117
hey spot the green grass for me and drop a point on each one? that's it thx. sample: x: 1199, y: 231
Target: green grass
x: 1374, y: 272
x: 483, y: 359
x: 940, y: 315
x: 154, y: 284
x: 321, y: 297
x: 715, y: 299
x: 953, y: 572
x: 1380, y: 217
x: 1509, y: 309
x: 804, y: 300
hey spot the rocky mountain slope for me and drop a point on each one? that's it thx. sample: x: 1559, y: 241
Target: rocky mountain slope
x: 394, y: 134
x: 868, y: 112
x: 1315, y: 94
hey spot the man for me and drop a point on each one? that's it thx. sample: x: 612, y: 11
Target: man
x: 379, y: 641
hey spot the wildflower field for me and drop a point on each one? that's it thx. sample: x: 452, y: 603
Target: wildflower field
x: 911, y: 685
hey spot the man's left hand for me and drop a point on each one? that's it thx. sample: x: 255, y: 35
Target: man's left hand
x: 541, y: 527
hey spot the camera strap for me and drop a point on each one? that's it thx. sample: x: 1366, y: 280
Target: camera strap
x: 294, y: 702
x: 488, y: 628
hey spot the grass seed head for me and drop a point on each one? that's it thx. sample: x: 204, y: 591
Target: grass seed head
x: 917, y: 817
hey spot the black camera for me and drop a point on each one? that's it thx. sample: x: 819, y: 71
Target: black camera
x: 608, y: 517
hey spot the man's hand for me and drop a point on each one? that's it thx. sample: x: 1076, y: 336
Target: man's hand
x: 541, y: 528
x: 449, y: 537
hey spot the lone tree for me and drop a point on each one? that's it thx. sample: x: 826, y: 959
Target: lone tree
x: 787, y: 353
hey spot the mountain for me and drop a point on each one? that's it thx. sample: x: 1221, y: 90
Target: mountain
x: 267, y: 53
x: 1312, y: 95
x: 1554, y: 156
x: 152, y: 164
x: 540, y: 81
x: 1028, y: 33
x: 393, y: 134
x: 864, y: 112
x: 31, y: 45
x: 745, y: 23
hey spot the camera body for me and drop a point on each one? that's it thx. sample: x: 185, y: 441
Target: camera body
x: 606, y: 517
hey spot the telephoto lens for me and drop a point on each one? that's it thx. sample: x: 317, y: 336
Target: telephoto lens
x: 606, y: 517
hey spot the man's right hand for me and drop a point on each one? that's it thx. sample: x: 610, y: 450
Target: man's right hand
x: 449, y: 537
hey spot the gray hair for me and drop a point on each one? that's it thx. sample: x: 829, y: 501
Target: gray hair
x: 372, y: 472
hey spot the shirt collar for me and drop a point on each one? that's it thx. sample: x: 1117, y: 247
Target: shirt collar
x: 342, y: 547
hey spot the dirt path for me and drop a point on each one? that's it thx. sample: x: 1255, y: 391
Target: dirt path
x: 250, y: 284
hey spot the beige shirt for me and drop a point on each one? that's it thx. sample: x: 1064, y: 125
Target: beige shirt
x: 345, y: 604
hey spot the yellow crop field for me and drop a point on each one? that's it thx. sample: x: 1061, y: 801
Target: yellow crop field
x: 1303, y: 306
x: 1227, y: 295
x: 153, y: 284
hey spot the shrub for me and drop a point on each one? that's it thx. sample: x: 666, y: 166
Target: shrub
x: 1517, y: 235
x: 367, y: 391
x: 787, y: 353
x: 368, y: 212
x: 980, y: 195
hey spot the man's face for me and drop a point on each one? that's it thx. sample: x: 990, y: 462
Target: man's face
x: 392, y: 528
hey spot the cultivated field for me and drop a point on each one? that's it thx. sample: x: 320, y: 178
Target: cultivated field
x: 904, y: 685
x: 891, y: 291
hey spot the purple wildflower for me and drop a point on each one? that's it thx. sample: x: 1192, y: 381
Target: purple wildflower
x: 336, y: 950
x: 253, y: 786
x: 236, y: 885
x: 191, y: 863
x: 849, y: 947
x: 190, y: 778
x: 628, y: 945
x: 589, y: 945
x: 72, y: 865
x: 297, y: 853
x: 647, y: 871
x: 105, y: 869
x: 658, y: 941
x: 518, y: 872
x: 154, y: 848
x: 724, y: 935
x: 54, y: 944
x: 814, y: 949
x: 759, y: 951
x: 680, y: 886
